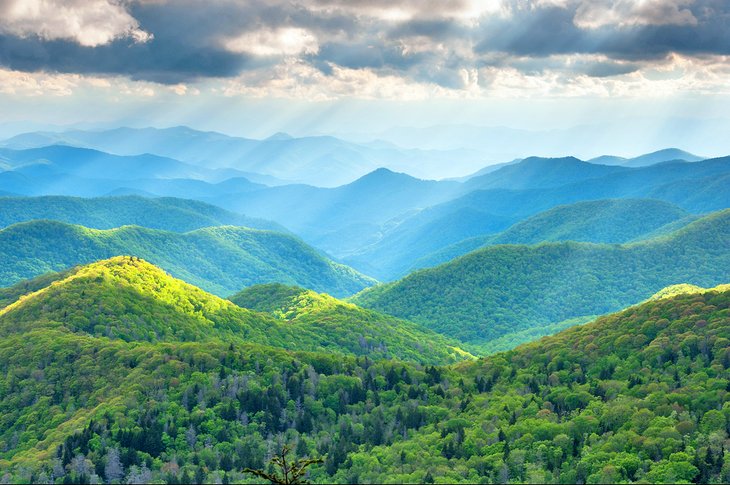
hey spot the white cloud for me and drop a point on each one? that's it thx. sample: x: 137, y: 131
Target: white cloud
x: 625, y: 13
x: 88, y: 22
x: 288, y: 41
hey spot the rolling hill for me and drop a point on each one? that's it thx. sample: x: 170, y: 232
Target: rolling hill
x: 342, y: 321
x: 599, y: 221
x: 220, y: 259
x: 540, y: 173
x: 507, y: 288
x: 169, y: 214
x: 696, y: 187
x: 636, y: 396
x: 659, y: 156
x: 427, y: 240
x: 359, y: 209
x: 129, y: 299
x: 94, y: 164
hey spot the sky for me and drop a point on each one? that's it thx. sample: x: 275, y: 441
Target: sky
x: 640, y: 74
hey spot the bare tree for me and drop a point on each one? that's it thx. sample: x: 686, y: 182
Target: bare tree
x: 113, y: 469
x: 286, y: 472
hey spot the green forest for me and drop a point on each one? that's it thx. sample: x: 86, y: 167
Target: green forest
x: 220, y: 259
x: 640, y: 395
x: 502, y: 289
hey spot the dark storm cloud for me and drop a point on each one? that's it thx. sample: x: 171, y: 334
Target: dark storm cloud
x: 164, y: 62
x: 188, y: 38
x: 549, y: 31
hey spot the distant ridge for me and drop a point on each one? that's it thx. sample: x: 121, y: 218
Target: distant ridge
x: 501, y: 289
x: 659, y: 156
x: 220, y: 259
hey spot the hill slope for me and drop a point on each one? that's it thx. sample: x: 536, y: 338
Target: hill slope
x: 330, y: 315
x: 218, y: 259
x: 428, y: 239
x: 502, y: 289
x: 600, y: 221
x: 540, y: 173
x: 129, y: 299
x: 638, y: 396
x: 169, y: 214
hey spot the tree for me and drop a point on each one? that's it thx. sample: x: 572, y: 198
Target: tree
x: 113, y: 470
x: 288, y: 472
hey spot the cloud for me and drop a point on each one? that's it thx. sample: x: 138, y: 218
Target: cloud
x: 623, y: 13
x: 433, y: 46
x: 286, y: 41
x: 88, y: 22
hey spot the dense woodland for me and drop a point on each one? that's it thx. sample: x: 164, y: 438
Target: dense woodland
x: 501, y: 289
x: 168, y: 214
x: 641, y: 395
x: 220, y: 259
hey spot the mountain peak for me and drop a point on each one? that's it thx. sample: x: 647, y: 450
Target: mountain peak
x: 536, y: 159
x: 280, y: 136
x: 383, y: 173
x: 98, y: 298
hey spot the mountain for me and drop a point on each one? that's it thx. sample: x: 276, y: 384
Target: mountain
x: 608, y: 160
x: 61, y: 170
x: 696, y: 187
x: 129, y: 299
x: 427, y: 239
x: 486, y: 170
x: 636, y: 396
x: 346, y: 323
x: 661, y: 156
x: 320, y: 215
x: 420, y: 235
x: 599, y: 221
x: 466, y: 222
x: 324, y: 161
x: 169, y: 214
x: 537, y: 195
x: 220, y: 259
x: 540, y: 173
x: 95, y: 164
x: 502, y: 289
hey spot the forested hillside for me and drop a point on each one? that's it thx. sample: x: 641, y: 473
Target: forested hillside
x: 636, y: 396
x: 436, y: 235
x: 502, y: 289
x: 129, y: 299
x: 169, y: 214
x: 220, y: 259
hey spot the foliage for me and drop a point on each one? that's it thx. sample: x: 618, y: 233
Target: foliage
x: 349, y: 326
x: 129, y: 299
x: 502, y: 289
x: 430, y: 238
x: 638, y: 396
x: 166, y: 213
x: 511, y: 340
x: 220, y: 259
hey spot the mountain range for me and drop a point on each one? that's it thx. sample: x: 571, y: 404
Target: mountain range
x: 221, y: 259
x: 502, y: 289
x: 319, y: 160
x: 176, y: 310
x: 144, y: 377
x: 366, y: 223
